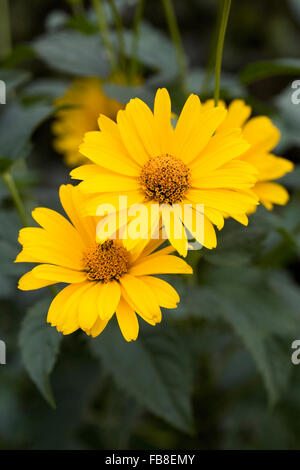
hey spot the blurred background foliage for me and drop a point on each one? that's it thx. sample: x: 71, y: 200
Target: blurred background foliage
x: 217, y: 373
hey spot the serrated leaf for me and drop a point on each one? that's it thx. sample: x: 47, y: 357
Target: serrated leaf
x: 17, y: 124
x: 74, y: 53
x: 39, y: 345
x: 271, y: 68
x: 155, y: 369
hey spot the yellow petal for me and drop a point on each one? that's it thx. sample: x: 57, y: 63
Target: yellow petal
x: 222, y: 148
x: 100, y: 148
x: 238, y: 113
x: 85, y: 171
x: 98, y: 327
x: 50, y: 272
x: 174, y: 228
x: 207, y: 124
x: 68, y: 315
x: 88, y: 308
x: 29, y: 282
x: 166, y: 296
x: 222, y: 200
x: 141, y: 296
x: 237, y: 174
x: 271, y: 193
x: 108, y: 183
x: 108, y: 300
x: 55, y: 224
x: 131, y: 138
x: 261, y: 134
x: 127, y: 320
x: 163, y: 264
x: 162, y: 121
x: 59, y: 301
x: 72, y: 201
x: 44, y: 247
x: 187, y: 123
x: 143, y: 121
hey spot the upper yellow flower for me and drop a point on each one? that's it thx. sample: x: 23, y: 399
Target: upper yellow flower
x: 82, y: 104
x: 263, y: 137
x: 144, y: 158
x: 104, y: 277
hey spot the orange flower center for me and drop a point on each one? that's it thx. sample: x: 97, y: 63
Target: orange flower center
x: 105, y: 262
x: 165, y: 179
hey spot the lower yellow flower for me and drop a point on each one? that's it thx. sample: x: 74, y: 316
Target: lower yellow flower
x: 82, y: 104
x: 263, y: 137
x: 104, y: 277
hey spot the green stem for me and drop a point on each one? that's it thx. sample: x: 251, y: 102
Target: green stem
x: 220, y: 44
x: 120, y: 33
x: 12, y: 187
x: 104, y: 32
x: 135, y: 39
x: 176, y: 38
x: 10, y: 183
x: 209, y: 70
x: 5, y: 33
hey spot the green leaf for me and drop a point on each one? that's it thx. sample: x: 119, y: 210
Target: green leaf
x: 292, y: 180
x: 19, y: 54
x: 287, y: 119
x: 125, y: 93
x: 17, y: 124
x: 254, y: 306
x: 46, y: 88
x: 74, y: 53
x: 295, y: 8
x: 230, y: 86
x: 272, y: 361
x: 9, y: 248
x: 155, y: 369
x: 155, y: 50
x: 237, y: 246
x: 39, y: 345
x: 13, y: 78
x: 271, y: 68
x: 8, y: 253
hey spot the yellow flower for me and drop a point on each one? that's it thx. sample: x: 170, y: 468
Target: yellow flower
x: 263, y: 137
x: 82, y: 104
x: 104, y: 278
x: 144, y: 158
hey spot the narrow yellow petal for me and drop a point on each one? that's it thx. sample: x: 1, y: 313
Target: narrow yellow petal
x: 127, y: 320
x: 165, y: 294
x: 29, y: 282
x: 163, y: 264
x: 88, y: 308
x: 50, y: 272
x: 108, y: 300
x: 141, y: 296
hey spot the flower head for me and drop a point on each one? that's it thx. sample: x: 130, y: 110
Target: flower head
x: 144, y: 158
x: 80, y: 108
x: 263, y: 136
x: 103, y: 277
